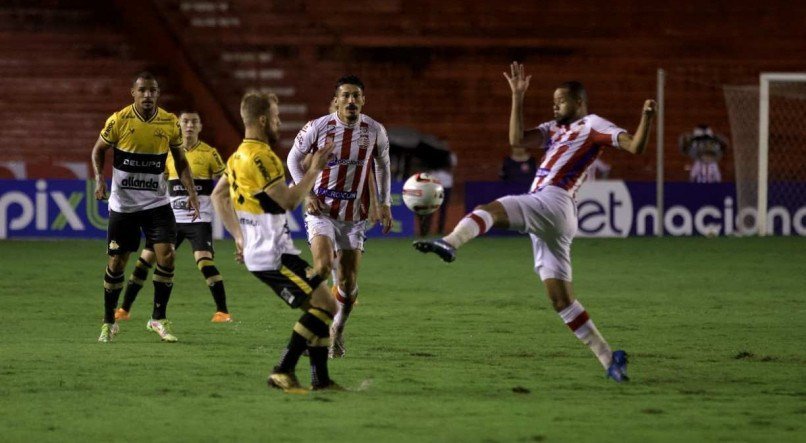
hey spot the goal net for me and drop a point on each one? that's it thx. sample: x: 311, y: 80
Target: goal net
x: 768, y: 131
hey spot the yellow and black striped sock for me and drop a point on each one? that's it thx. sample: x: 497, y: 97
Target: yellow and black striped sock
x: 113, y: 284
x: 214, y: 281
x: 312, y: 332
x: 163, y: 283
x: 136, y: 282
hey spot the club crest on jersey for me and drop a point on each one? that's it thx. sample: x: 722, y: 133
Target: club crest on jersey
x: 159, y: 133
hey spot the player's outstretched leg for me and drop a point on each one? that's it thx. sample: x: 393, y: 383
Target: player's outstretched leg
x: 471, y: 226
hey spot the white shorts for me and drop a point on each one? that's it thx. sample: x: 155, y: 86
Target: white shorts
x: 549, y: 217
x: 345, y: 235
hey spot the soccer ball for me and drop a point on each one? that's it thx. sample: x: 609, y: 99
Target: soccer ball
x: 423, y: 194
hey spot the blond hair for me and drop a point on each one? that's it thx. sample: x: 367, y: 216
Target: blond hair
x: 256, y: 103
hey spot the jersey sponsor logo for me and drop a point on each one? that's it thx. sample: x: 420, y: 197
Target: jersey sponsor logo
x: 346, y: 161
x: 262, y: 168
x: 334, y: 193
x: 108, y: 129
x: 248, y: 221
x: 140, y: 184
x: 143, y: 163
x: 363, y: 138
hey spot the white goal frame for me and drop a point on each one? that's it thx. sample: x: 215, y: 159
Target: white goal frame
x: 764, y: 139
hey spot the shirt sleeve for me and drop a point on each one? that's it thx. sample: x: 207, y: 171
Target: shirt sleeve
x: 383, y: 174
x: 269, y: 169
x: 605, y: 132
x: 303, y: 145
x: 544, y: 129
x: 216, y: 163
x: 176, y: 134
x: 110, y: 131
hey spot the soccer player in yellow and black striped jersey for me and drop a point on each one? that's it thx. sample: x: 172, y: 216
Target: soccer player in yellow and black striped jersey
x: 252, y: 199
x: 206, y: 166
x: 140, y: 136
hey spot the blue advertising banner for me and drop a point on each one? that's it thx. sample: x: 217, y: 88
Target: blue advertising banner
x: 68, y: 209
x: 612, y: 208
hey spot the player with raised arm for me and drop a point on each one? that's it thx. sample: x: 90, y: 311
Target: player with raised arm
x: 338, y: 208
x: 206, y: 166
x: 140, y: 136
x: 572, y: 141
x: 252, y: 199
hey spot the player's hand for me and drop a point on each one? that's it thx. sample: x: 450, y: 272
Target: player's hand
x: 650, y: 108
x: 322, y: 155
x: 518, y: 80
x: 239, y: 250
x: 100, y: 189
x: 386, y: 219
x: 193, y: 206
x: 312, y: 205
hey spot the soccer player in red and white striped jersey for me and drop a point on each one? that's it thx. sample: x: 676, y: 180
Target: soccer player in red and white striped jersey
x: 572, y: 141
x: 339, y: 206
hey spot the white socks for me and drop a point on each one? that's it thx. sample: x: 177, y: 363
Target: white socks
x: 474, y: 224
x: 577, y: 319
x: 345, y: 308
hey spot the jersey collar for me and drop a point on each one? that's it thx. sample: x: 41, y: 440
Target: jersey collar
x: 157, y: 111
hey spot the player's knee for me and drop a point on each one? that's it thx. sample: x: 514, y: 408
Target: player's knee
x: 116, y: 263
x: 321, y: 298
x: 323, y: 268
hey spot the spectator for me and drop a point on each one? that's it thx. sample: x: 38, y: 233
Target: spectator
x: 519, y: 167
x: 706, y: 149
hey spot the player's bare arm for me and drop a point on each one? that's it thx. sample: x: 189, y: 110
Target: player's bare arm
x: 384, y: 210
x: 223, y: 207
x: 98, y: 159
x: 290, y: 197
x: 519, y: 83
x: 186, y: 177
x: 637, y: 143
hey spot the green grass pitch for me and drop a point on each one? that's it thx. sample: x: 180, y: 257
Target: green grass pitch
x: 469, y: 351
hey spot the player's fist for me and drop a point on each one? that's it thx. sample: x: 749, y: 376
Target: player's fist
x: 650, y: 107
x: 100, y: 189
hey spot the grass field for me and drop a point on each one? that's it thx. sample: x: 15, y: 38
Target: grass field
x: 436, y: 352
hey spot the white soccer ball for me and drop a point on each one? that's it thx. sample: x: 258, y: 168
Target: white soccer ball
x: 423, y: 194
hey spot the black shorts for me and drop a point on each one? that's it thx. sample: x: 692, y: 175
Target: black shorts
x: 158, y: 225
x: 200, y: 236
x: 291, y: 281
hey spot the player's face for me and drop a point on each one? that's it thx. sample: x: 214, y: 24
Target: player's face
x: 273, y: 125
x: 145, y: 94
x: 565, y: 106
x: 349, y: 101
x: 191, y: 125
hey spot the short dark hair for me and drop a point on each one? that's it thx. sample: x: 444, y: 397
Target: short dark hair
x: 189, y: 111
x: 350, y: 80
x: 576, y: 90
x: 145, y: 75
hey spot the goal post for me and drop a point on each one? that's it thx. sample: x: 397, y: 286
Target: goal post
x: 765, y: 80
x: 769, y: 151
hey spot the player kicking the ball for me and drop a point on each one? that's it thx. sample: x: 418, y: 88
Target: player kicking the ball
x: 572, y: 141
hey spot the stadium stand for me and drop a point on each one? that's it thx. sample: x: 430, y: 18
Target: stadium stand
x: 435, y: 66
